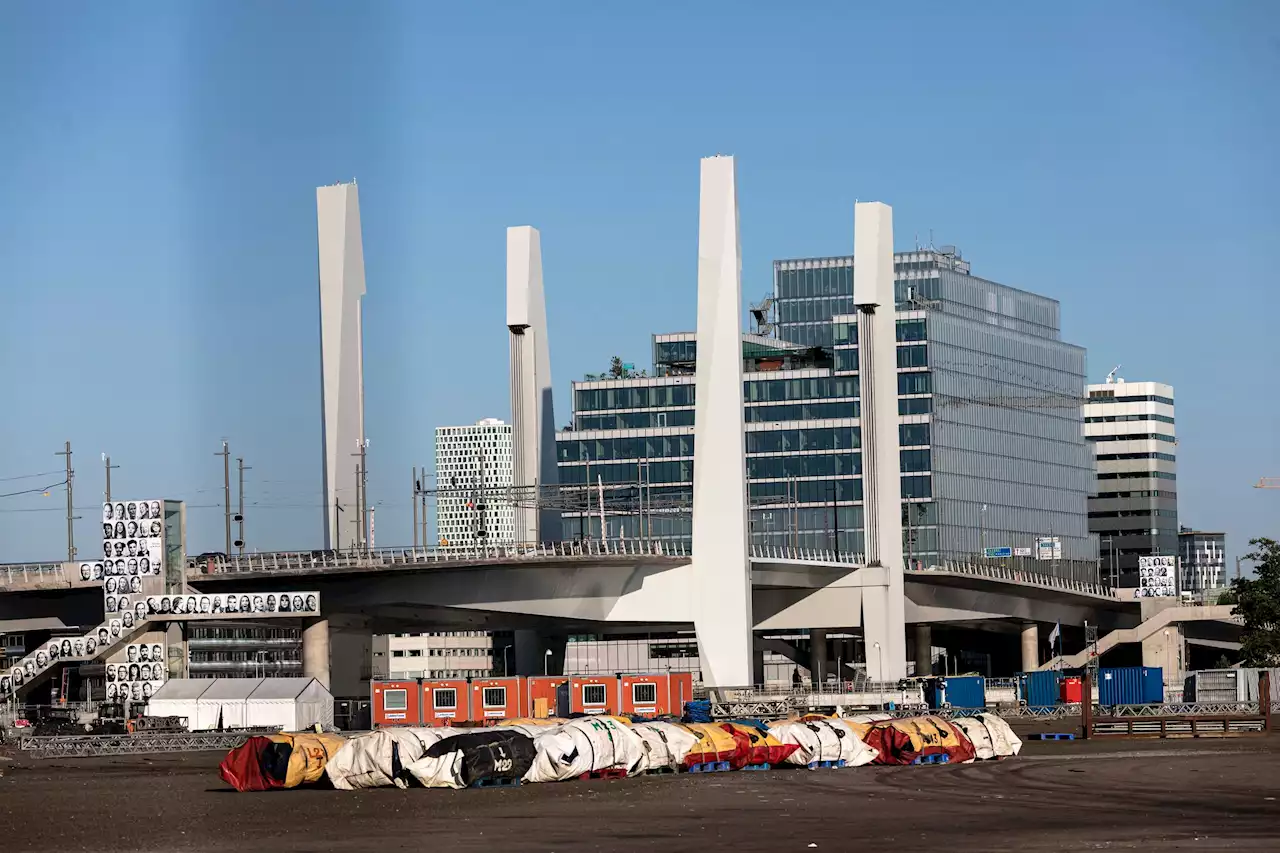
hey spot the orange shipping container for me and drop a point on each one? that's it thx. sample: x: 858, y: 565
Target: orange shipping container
x: 396, y: 703
x: 445, y: 702
x: 494, y: 699
x: 594, y: 694
x: 551, y: 691
x: 655, y: 695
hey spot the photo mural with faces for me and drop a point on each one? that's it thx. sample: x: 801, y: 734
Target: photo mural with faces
x: 137, y: 676
x: 233, y: 604
x: 132, y: 557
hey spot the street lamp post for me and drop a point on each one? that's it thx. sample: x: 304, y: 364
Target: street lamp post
x: 506, y: 668
x: 546, y: 662
x: 880, y: 655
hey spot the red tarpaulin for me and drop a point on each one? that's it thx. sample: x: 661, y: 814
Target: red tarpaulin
x: 242, y: 768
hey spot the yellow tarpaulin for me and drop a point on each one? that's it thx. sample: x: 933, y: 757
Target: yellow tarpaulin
x: 310, y: 753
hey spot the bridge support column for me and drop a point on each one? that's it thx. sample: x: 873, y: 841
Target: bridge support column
x: 883, y: 608
x: 1030, y: 646
x: 924, y: 650
x: 721, y: 596
x: 818, y: 657
x: 315, y: 650
x: 531, y: 656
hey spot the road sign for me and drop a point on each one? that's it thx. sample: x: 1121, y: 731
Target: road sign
x: 998, y: 552
x: 1022, y: 552
x: 1048, y: 548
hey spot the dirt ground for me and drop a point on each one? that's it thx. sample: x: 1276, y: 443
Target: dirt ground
x: 1112, y: 795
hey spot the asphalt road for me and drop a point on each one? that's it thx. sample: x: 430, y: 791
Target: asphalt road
x: 1114, y: 795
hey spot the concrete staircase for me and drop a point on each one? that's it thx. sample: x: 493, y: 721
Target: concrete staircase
x: 1169, y: 616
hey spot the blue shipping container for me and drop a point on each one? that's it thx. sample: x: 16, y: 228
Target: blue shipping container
x: 966, y: 691
x: 1041, y: 689
x: 1131, y: 685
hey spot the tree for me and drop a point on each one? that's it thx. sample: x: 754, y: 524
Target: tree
x: 616, y: 368
x: 1258, y: 604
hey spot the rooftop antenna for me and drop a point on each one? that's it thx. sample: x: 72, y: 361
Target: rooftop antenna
x: 1111, y: 377
x: 931, y: 239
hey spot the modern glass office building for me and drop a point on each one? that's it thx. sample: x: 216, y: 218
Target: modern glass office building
x: 989, y: 422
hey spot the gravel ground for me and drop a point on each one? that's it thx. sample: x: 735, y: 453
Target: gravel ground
x: 1113, y: 795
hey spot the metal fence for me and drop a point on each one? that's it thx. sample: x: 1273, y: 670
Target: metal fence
x: 32, y: 574
x: 1018, y: 575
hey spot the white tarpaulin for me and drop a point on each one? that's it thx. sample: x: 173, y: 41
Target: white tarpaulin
x: 664, y: 745
x: 379, y: 759
x: 977, y: 734
x: 1003, y: 741
x: 584, y: 745
x: 439, y: 771
x: 823, y: 740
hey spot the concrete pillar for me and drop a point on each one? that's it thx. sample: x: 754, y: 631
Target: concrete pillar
x: 883, y: 607
x: 924, y: 650
x: 721, y: 596
x: 315, y: 649
x: 818, y: 666
x: 1165, y: 649
x: 533, y: 420
x: 1030, y: 646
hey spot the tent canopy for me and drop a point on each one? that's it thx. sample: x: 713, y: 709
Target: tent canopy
x: 229, y: 689
x: 180, y: 689
x: 282, y: 688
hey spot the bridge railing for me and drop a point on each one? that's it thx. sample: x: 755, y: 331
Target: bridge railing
x: 321, y: 560
x: 1004, y: 573
x: 19, y: 575
x: 808, y: 555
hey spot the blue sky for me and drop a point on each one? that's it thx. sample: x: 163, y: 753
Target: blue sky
x: 157, y: 213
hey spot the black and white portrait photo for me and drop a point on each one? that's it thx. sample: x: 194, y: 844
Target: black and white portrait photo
x: 113, y: 692
x: 191, y: 605
x: 65, y: 648
x: 53, y: 651
x: 104, y: 637
x: 108, y: 512
x: 206, y: 606
x: 17, y: 676
x: 245, y: 607
x: 126, y: 615
x: 157, y: 652
x: 120, y: 528
x: 144, y: 510
x: 178, y: 606
x: 298, y: 604
x: 144, y: 566
x: 97, y: 571
x: 111, y: 604
x: 42, y: 659
x: 86, y: 571
x: 28, y: 668
x: 90, y: 646
x: 132, y: 507
x: 135, y: 584
x: 285, y: 605
x: 313, y: 604
x: 140, y: 611
x: 156, y: 529
x: 114, y: 625
x: 120, y: 514
x: 155, y: 510
x: 112, y: 585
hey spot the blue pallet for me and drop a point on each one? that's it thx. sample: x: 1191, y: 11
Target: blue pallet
x: 501, y: 782
x: 758, y: 767
x: 710, y: 767
x: 1052, y: 736
x: 825, y: 765
x: 932, y: 759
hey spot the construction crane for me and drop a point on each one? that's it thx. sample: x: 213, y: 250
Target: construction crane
x: 1268, y: 483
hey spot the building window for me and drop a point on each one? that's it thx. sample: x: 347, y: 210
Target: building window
x: 415, y: 653
x: 644, y: 694
x: 494, y: 697
x: 395, y: 700
x: 445, y: 698
x: 594, y: 695
x: 398, y: 653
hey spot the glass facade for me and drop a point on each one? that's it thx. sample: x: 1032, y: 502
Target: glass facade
x: 990, y: 422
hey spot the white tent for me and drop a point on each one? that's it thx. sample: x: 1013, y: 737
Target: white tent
x: 290, y: 704
x: 177, y: 698
x: 223, y: 704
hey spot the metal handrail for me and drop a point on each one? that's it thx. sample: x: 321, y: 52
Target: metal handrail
x: 1024, y: 576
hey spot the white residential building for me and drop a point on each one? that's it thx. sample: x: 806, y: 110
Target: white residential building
x: 436, y: 654
x: 472, y: 463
